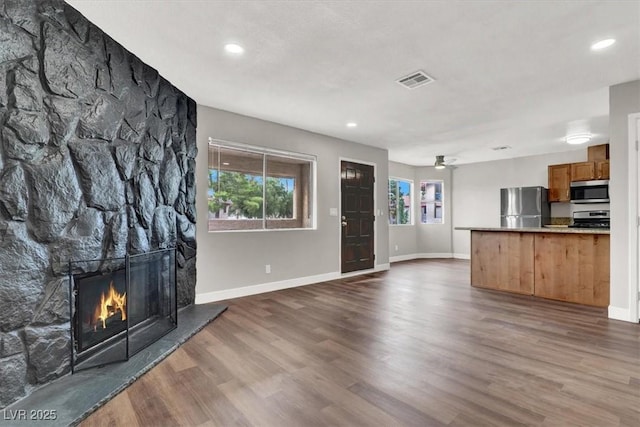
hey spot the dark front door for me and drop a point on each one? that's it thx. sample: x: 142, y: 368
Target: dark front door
x: 357, y: 220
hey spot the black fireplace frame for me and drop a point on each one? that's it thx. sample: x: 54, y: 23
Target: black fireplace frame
x: 79, y: 358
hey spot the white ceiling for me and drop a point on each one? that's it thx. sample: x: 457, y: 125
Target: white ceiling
x: 514, y: 73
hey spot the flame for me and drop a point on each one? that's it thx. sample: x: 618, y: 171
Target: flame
x: 109, y: 305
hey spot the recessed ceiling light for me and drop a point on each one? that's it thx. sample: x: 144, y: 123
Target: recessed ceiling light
x: 234, y: 48
x: 603, y: 44
x: 578, y: 138
x: 352, y: 125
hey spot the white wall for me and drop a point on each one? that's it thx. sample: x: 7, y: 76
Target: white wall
x: 232, y: 260
x: 624, y: 99
x: 435, y: 239
x: 421, y: 240
x: 476, y: 190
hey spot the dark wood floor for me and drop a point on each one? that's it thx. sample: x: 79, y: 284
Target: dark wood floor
x: 415, y: 346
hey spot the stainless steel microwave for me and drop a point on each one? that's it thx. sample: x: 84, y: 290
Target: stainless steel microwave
x: 590, y: 191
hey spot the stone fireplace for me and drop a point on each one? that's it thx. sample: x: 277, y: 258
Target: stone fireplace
x: 97, y: 160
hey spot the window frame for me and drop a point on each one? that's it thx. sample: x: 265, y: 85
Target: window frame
x: 275, y: 153
x: 442, y: 202
x: 411, y: 198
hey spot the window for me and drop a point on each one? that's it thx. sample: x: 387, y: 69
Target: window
x: 252, y: 188
x: 400, y: 201
x: 431, y: 202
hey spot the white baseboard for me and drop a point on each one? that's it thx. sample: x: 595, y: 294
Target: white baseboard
x: 279, y: 285
x: 263, y: 288
x: 425, y: 255
x: 462, y: 256
x: 621, y: 313
x: 430, y: 255
x: 399, y: 258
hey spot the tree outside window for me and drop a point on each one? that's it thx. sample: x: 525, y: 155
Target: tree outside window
x: 235, y: 195
x: 400, y: 201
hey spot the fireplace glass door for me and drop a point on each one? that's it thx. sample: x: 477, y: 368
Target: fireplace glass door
x: 121, y: 306
x: 152, y: 305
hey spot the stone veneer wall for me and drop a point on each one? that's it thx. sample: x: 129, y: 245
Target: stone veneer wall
x: 97, y: 158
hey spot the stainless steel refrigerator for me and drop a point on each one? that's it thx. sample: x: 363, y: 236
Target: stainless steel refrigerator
x: 524, y: 207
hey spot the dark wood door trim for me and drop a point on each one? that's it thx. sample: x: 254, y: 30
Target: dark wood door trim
x: 357, y: 216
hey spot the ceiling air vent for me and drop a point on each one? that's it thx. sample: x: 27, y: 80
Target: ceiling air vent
x: 414, y: 80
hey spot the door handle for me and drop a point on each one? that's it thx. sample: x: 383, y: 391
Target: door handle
x: 344, y: 223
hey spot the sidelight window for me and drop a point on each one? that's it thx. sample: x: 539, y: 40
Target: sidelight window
x: 431, y: 202
x: 400, y: 192
x: 252, y: 188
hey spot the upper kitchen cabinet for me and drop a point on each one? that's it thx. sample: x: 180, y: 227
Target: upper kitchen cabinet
x: 600, y: 155
x: 586, y: 171
x: 583, y: 171
x: 559, y: 182
x: 598, y: 152
x: 561, y: 176
x: 602, y: 169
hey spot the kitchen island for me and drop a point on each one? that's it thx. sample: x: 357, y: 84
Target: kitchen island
x: 566, y: 264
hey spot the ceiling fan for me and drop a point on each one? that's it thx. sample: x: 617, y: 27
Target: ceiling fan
x: 441, y: 163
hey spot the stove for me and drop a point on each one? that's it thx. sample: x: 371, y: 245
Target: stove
x: 591, y: 219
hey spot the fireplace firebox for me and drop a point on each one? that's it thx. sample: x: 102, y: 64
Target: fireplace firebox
x: 120, y: 306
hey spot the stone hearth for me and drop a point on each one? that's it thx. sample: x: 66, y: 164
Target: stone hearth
x: 97, y: 159
x: 72, y: 398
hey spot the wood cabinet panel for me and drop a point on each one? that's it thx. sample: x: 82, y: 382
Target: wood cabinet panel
x: 572, y: 267
x: 502, y: 261
x: 598, y: 152
x: 583, y: 171
x: 559, y: 182
x: 602, y: 169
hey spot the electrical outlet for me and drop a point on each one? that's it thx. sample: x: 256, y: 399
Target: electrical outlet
x: 267, y: 268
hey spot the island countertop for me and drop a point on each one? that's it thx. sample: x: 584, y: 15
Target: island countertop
x: 540, y: 230
x: 564, y: 264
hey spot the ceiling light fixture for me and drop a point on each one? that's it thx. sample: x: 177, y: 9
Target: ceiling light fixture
x: 236, y: 49
x: 578, y: 138
x: 352, y: 125
x: 603, y: 44
x: 439, y: 164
